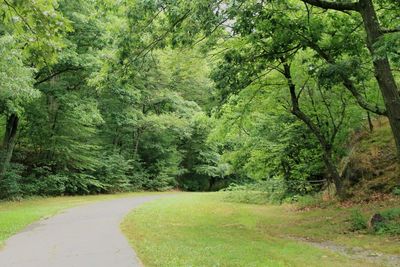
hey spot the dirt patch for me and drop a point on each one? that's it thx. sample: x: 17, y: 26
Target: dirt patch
x: 356, y: 253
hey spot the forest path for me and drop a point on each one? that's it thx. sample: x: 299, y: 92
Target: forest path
x: 83, y: 236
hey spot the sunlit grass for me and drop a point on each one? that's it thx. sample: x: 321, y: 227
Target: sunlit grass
x: 203, y: 230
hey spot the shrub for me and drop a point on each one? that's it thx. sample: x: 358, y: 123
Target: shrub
x: 53, y: 185
x: 248, y: 197
x: 271, y: 191
x: 358, y: 221
x: 308, y: 201
x: 34, y: 183
x: 113, y: 173
x: 390, y: 224
x: 9, y: 184
x: 396, y: 191
x: 161, y: 182
x: 83, y: 184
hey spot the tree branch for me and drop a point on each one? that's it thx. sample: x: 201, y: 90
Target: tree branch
x: 384, y: 30
x: 349, y: 85
x: 295, y: 110
x: 54, y: 74
x: 334, y: 5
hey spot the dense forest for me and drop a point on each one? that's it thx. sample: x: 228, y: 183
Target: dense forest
x: 103, y: 96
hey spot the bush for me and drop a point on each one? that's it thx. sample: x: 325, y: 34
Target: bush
x: 307, y: 201
x: 194, y: 182
x: 390, y: 224
x: 358, y: 221
x: 244, y: 194
x: 83, y: 184
x: 161, y: 182
x: 272, y: 191
x: 9, y: 184
x: 113, y: 173
x: 42, y: 182
x: 53, y: 185
x: 396, y: 191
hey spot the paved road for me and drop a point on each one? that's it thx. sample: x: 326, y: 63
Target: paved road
x: 85, y: 236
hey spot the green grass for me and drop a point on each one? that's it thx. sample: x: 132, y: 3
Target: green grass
x: 203, y: 230
x: 16, y: 215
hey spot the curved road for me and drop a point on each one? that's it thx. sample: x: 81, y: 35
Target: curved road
x: 85, y: 236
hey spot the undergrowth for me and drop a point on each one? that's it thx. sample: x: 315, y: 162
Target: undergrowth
x: 389, y: 224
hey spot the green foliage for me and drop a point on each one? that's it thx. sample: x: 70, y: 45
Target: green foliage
x: 83, y: 184
x: 390, y: 224
x: 152, y: 95
x: 310, y: 201
x: 9, y: 184
x: 52, y: 185
x: 265, y: 143
x: 243, y: 195
x: 270, y: 191
x: 396, y: 191
x: 16, y: 80
x: 358, y: 221
x: 113, y: 173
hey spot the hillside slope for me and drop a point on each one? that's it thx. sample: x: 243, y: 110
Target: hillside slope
x: 371, y: 170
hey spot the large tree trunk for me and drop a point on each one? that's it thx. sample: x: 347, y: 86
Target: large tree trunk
x: 10, y: 136
x: 383, y: 73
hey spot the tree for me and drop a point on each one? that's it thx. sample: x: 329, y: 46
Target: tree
x: 278, y: 30
x: 383, y: 72
x: 16, y: 83
x: 32, y: 45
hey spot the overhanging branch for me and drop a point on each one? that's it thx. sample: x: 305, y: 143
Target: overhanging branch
x: 340, y: 6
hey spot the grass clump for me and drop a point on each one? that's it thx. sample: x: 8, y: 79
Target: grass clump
x: 358, y: 221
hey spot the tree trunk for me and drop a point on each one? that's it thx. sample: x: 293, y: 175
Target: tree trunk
x: 53, y: 109
x: 370, y: 124
x: 137, y: 141
x: 8, y: 142
x: 326, y: 146
x: 333, y: 173
x: 383, y: 73
x: 211, y: 184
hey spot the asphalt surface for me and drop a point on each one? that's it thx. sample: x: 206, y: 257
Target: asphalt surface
x: 85, y: 236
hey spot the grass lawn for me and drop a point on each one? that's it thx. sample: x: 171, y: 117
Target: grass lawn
x: 203, y: 230
x: 16, y: 215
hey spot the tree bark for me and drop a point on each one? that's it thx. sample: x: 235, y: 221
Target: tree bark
x: 340, y: 6
x: 383, y: 72
x: 370, y: 124
x: 10, y: 136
